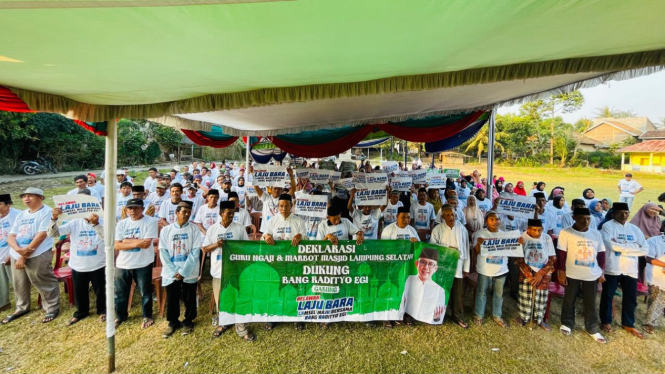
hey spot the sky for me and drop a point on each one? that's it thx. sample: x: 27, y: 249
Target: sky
x: 645, y: 96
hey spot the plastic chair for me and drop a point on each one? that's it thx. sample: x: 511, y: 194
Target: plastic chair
x: 256, y: 219
x: 63, y: 274
x: 557, y: 290
x: 159, y: 291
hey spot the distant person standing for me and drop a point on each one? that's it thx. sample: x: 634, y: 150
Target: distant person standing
x: 628, y: 188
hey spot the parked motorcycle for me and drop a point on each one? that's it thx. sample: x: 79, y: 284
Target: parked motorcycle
x: 38, y: 166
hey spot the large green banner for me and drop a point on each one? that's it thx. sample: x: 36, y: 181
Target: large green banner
x: 321, y: 282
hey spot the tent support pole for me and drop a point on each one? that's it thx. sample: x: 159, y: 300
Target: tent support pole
x: 406, y: 153
x: 490, y: 156
x: 109, y: 235
x: 247, y: 161
x: 433, y: 165
x: 392, y: 147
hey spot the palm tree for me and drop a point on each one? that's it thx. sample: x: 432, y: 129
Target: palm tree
x: 606, y: 112
x: 480, y: 142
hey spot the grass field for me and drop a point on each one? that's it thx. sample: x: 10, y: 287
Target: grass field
x: 27, y: 346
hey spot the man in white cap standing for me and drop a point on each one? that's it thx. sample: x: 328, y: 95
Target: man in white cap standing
x: 31, y: 257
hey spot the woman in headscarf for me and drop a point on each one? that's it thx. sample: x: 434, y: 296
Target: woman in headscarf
x: 474, y: 217
x: 588, y: 195
x: 596, y: 209
x: 557, y: 191
x: 434, y: 198
x: 540, y: 187
x: 498, y: 188
x: 647, y: 220
x: 519, y: 189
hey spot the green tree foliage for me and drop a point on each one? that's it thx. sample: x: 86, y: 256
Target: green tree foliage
x: 167, y: 137
x: 15, y: 133
x: 607, y: 112
x: 479, y: 144
x: 133, y: 145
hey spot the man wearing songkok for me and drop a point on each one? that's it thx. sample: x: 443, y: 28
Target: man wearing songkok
x: 491, y: 270
x: 338, y: 228
x: 241, y: 215
x: 423, y: 299
x: 452, y: 233
x: 180, y: 253
x: 7, y: 217
x: 567, y: 219
x: 208, y: 213
x: 624, y: 243
x: 535, y: 269
x: 133, y: 241
x: 655, y: 279
x: 285, y: 226
x: 87, y: 259
x: 226, y: 229
x: 581, y: 263
x: 31, y: 256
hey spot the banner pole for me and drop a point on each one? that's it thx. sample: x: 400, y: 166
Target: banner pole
x: 109, y: 235
x: 247, y: 161
x: 490, y: 156
x: 392, y: 147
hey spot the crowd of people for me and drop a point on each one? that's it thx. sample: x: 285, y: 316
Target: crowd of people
x: 175, y: 220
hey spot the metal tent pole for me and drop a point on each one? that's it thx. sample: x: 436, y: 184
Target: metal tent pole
x: 490, y: 155
x: 109, y: 235
x: 247, y: 161
x: 406, y: 152
x: 392, y: 147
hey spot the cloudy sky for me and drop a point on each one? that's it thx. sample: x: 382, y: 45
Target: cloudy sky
x: 645, y: 96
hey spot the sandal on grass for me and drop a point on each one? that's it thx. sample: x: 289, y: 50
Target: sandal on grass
x: 598, y: 337
x: 102, y: 318
x: 462, y: 324
x: 72, y: 321
x: 117, y: 323
x: 545, y: 326
x: 519, y: 321
x: 606, y: 328
x: 649, y: 329
x: 388, y: 324
x: 269, y: 325
x: 147, y: 322
x: 250, y: 337
x: 499, y: 321
x: 635, y: 332
x: 49, y: 317
x: 565, y: 330
x: 219, y: 331
x: 478, y: 321
x: 12, y: 317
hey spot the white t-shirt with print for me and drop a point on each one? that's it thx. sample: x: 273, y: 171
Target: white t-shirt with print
x: 422, y: 215
x: 207, y: 216
x: 345, y: 230
x: 197, y: 202
x: 27, y: 225
x: 390, y: 213
x: 286, y: 228
x: 582, y: 248
x: 269, y: 209
x: 214, y: 234
x: 167, y: 211
x: 135, y: 258
x: 394, y: 232
x: 6, y: 224
x: 93, y: 192
x: 150, y: 184
x: 120, y: 203
x: 491, y: 266
x: 462, y: 195
x: 368, y: 223
x: 653, y: 275
x: 313, y: 224
x: 242, y: 217
x: 157, y: 201
x: 180, y: 252
x: 87, y: 248
x: 537, y: 251
x: 627, y: 187
x: 484, y: 205
x: 616, y: 235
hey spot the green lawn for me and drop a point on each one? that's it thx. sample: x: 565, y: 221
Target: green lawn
x: 29, y: 346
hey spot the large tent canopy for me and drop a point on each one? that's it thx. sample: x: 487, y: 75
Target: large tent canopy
x: 280, y: 67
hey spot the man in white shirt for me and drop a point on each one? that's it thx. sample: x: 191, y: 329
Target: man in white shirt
x: 423, y: 299
x: 241, y: 215
x: 285, y: 226
x: 133, y: 241
x: 628, y: 188
x: 655, y: 279
x: 208, y: 213
x: 535, y: 269
x: 194, y: 196
x: 7, y: 217
x: 337, y: 228
x: 167, y: 210
x: 366, y: 217
x: 401, y: 229
x: 271, y: 200
x: 452, y: 233
x: 423, y: 215
x: 567, y: 218
x: 124, y: 194
x: 213, y: 243
x: 87, y: 259
x: 581, y: 263
x: 158, y: 197
x: 81, y: 182
x: 180, y: 254
x: 624, y: 243
x: 93, y: 185
x: 390, y: 213
x: 151, y: 182
x: 546, y: 217
x: 31, y: 256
